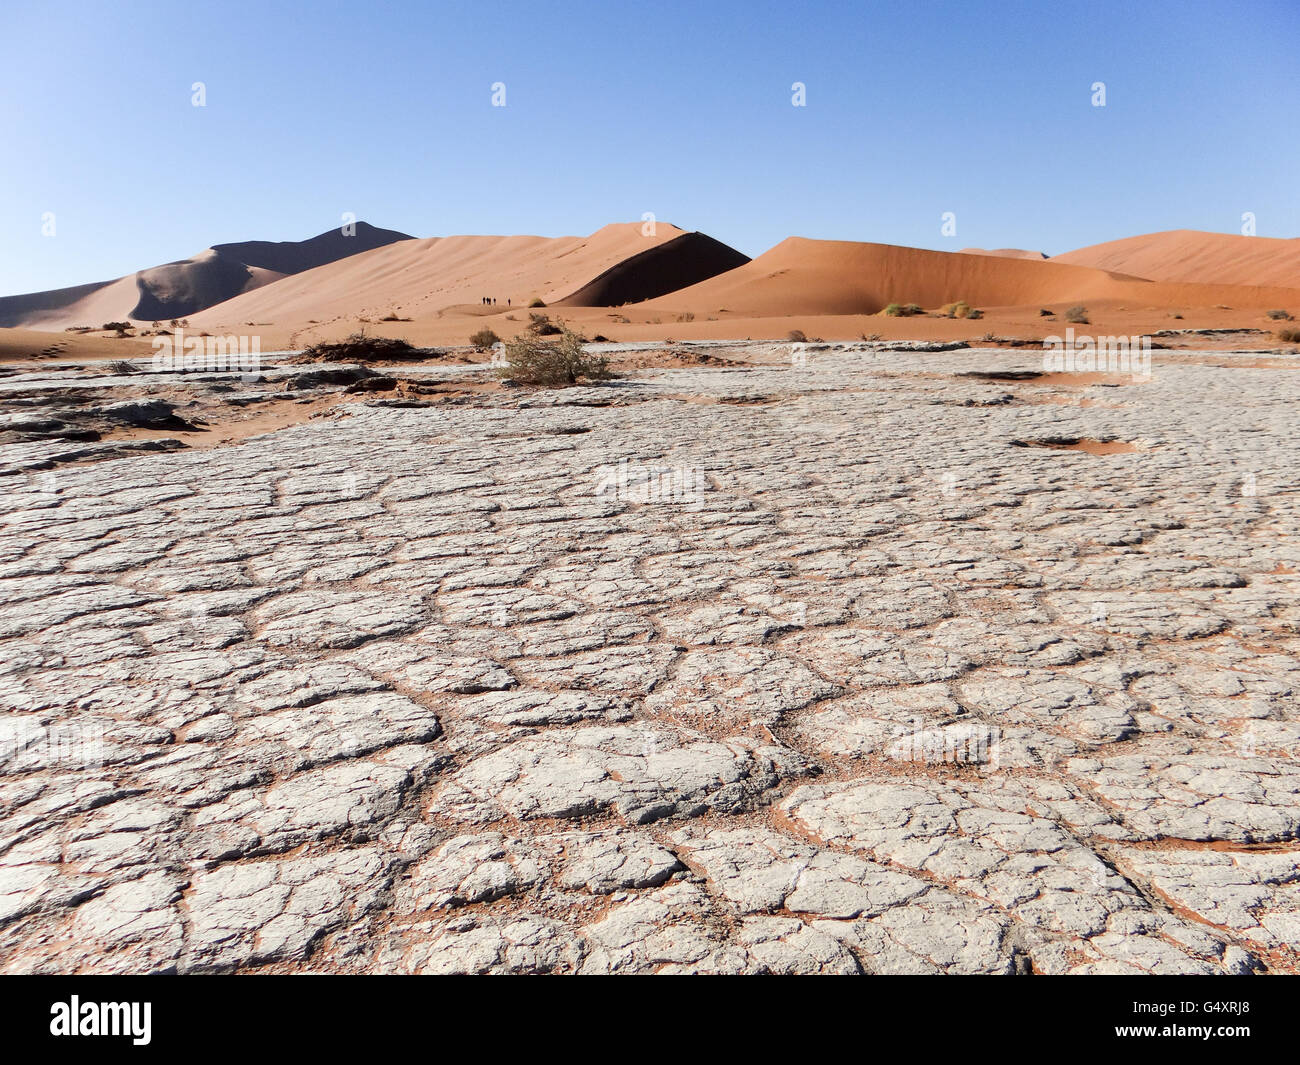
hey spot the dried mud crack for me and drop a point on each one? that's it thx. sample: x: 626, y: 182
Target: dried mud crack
x: 733, y: 666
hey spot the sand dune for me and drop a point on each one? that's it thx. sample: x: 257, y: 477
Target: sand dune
x: 182, y: 288
x: 1193, y: 256
x: 95, y: 304
x: 823, y: 277
x: 667, y: 267
x: 427, y: 278
x: 801, y: 276
x: 622, y: 284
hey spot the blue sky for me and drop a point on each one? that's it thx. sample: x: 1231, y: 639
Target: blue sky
x: 682, y: 109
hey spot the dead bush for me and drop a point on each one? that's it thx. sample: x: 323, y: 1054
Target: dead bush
x: 532, y: 361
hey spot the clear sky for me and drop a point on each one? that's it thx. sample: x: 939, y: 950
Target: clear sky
x: 679, y: 107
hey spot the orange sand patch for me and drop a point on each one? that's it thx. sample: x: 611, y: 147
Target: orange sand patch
x: 1090, y: 447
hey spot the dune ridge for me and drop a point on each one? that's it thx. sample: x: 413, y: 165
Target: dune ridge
x: 1006, y: 253
x: 182, y: 288
x: 1190, y: 255
x: 428, y: 277
x: 825, y: 277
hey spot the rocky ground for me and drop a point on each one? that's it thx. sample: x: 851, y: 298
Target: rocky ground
x: 856, y: 664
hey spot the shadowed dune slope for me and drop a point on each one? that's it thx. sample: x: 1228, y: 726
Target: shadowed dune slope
x: 1189, y: 255
x: 295, y: 256
x: 177, y: 290
x: 676, y: 264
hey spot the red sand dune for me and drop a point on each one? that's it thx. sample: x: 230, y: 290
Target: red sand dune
x: 423, y: 278
x: 827, y: 277
x: 181, y: 289
x: 698, y: 287
x: 1194, y: 256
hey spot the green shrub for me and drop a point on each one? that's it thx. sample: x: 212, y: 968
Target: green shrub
x: 1279, y: 316
x: 535, y: 302
x: 1078, y: 315
x: 563, y: 362
x: 1291, y: 336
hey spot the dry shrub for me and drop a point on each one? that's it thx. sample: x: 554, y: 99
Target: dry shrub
x: 484, y: 339
x: 531, y: 361
x: 542, y: 326
x: 358, y: 347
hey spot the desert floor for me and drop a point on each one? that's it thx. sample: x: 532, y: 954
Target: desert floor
x: 885, y: 661
x: 453, y: 326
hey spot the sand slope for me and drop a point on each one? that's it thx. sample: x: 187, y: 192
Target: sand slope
x: 1006, y: 253
x: 182, y: 288
x: 1195, y: 256
x: 425, y: 278
x: 825, y: 277
x: 801, y: 276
